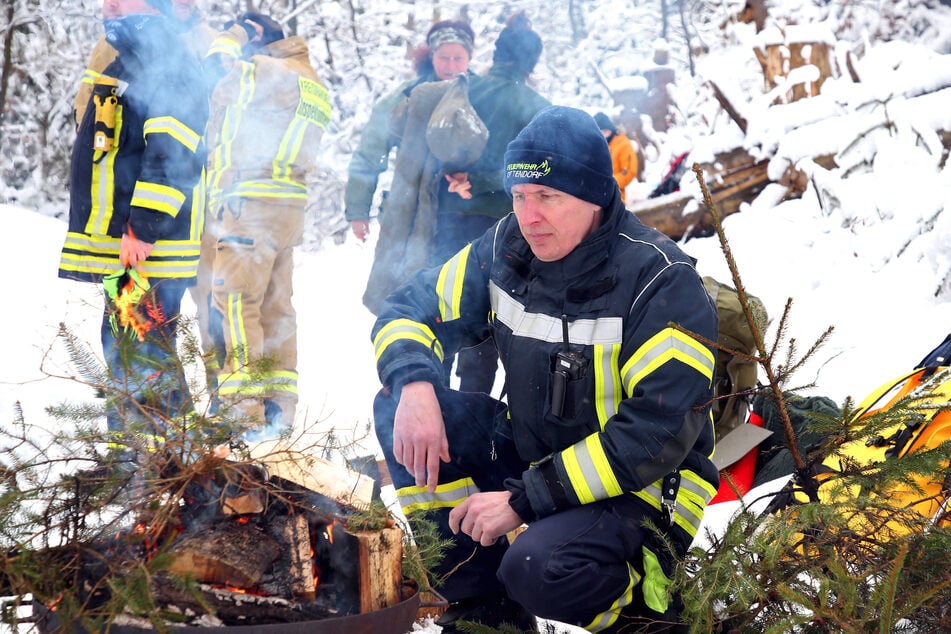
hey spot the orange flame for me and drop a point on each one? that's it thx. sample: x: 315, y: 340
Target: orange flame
x: 136, y: 311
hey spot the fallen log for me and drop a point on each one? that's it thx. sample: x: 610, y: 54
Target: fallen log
x: 733, y: 178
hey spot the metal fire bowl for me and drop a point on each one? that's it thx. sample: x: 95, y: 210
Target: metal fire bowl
x: 396, y: 619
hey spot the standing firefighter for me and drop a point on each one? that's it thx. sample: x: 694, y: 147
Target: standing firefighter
x: 268, y: 114
x: 186, y: 20
x: 607, y: 426
x: 135, y: 209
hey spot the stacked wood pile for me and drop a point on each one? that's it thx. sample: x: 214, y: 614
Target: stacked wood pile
x: 794, y: 68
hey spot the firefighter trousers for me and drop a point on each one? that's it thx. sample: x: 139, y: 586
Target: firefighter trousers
x: 252, y: 289
x: 146, y: 381
x: 590, y: 566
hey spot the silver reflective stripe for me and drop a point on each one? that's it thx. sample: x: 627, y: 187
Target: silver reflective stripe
x: 588, y: 332
x: 608, y: 388
x: 449, y: 494
x: 663, y: 344
x: 449, y: 284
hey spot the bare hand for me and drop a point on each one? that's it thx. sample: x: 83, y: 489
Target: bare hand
x: 419, y: 434
x: 258, y: 30
x: 485, y: 517
x: 132, y: 251
x: 459, y: 184
x: 361, y: 229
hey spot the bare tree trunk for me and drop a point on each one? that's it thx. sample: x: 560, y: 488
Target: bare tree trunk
x: 7, y: 69
x: 686, y: 29
x: 663, y: 19
x: 576, y: 13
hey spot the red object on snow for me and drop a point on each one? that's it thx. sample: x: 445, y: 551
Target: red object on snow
x: 741, y: 472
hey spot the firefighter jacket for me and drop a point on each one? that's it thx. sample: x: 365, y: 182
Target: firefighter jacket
x: 267, y: 117
x: 635, y: 409
x: 138, y: 157
x: 193, y: 33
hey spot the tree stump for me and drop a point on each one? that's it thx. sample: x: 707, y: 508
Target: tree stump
x: 782, y: 53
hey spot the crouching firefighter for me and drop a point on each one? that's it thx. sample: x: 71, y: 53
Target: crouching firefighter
x: 268, y: 114
x: 607, y: 425
x: 136, y: 209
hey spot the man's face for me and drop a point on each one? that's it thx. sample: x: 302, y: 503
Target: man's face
x: 110, y: 9
x: 183, y: 9
x: 552, y: 222
x: 131, y: 7
x: 450, y: 60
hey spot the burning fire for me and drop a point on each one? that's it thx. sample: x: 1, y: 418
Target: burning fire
x: 134, y: 308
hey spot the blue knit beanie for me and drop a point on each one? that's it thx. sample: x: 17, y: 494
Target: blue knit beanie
x: 562, y: 148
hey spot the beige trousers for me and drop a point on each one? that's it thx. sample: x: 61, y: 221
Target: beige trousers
x: 253, y: 242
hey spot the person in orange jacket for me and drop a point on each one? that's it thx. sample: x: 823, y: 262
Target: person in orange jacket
x: 623, y: 155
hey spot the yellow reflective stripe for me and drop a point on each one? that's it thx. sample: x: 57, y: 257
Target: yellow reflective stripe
x: 174, y: 128
x: 268, y: 189
x: 157, y: 197
x: 221, y: 157
x: 102, y: 187
x: 449, y: 284
x: 447, y: 495
x: 90, y: 76
x: 607, y: 618
x: 314, y: 106
x: 224, y: 45
x: 668, y: 344
x: 589, y: 471
x: 692, y: 497
x: 403, y: 329
x: 198, y: 209
x: 236, y: 329
x: 588, y: 332
x: 263, y: 384
x: 607, y: 382
x: 99, y: 255
x: 288, y: 149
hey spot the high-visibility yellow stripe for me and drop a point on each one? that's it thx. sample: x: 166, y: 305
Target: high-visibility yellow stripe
x: 607, y: 382
x: 236, y: 329
x: 158, y: 197
x: 221, y: 159
x: 668, y: 344
x: 288, y: 149
x: 405, y: 329
x: 692, y: 497
x: 446, y: 495
x: 99, y: 255
x: 90, y: 76
x: 174, y: 128
x: 589, y: 471
x: 267, y: 189
x: 102, y: 188
x: 224, y: 46
x: 449, y: 284
x: 609, y: 617
x: 259, y: 384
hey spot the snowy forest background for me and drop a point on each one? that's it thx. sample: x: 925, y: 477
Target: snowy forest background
x: 863, y: 233
x: 359, y: 48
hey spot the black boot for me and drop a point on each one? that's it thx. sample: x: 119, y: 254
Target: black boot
x: 492, y: 610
